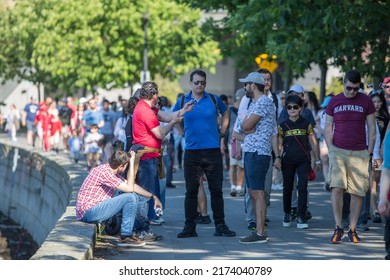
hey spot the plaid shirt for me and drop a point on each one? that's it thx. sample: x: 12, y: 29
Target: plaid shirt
x: 99, y: 186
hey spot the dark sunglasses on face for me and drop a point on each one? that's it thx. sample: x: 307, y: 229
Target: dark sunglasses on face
x: 352, y: 88
x: 387, y: 86
x: 203, y: 83
x: 295, y: 107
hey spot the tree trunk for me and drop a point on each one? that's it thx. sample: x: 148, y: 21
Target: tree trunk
x: 324, y: 70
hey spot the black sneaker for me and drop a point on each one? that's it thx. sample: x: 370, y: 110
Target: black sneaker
x: 287, y: 220
x: 377, y: 218
x: 203, y: 220
x: 302, y: 223
x: 252, y: 226
x: 223, y: 230
x: 254, y: 237
x: 187, y: 232
x: 172, y: 186
x: 308, y: 215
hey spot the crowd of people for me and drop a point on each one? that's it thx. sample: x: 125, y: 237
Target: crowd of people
x: 264, y: 141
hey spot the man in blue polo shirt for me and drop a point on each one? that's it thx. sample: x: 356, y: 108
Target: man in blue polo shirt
x: 203, y: 153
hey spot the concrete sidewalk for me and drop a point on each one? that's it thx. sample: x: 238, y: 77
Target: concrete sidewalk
x: 283, y: 244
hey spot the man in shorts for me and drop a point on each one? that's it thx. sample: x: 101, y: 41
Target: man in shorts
x: 349, y: 154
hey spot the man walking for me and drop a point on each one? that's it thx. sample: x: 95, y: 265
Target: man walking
x: 203, y: 154
x: 349, y: 155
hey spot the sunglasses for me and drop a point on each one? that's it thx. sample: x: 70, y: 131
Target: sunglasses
x: 203, y: 83
x: 352, y: 88
x: 375, y: 92
x: 387, y: 86
x: 295, y: 107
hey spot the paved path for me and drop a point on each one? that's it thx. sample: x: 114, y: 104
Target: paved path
x: 284, y: 243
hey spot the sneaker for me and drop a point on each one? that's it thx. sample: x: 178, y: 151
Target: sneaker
x: 252, y: 226
x: 293, y: 214
x: 287, y: 220
x: 241, y: 192
x: 362, y: 227
x: 308, y: 215
x: 327, y: 187
x: 337, y: 235
x: 172, y: 186
x: 187, y: 232
x: 130, y: 241
x: 233, y: 192
x: 203, y: 220
x: 157, y: 222
x: 277, y: 187
x: 353, y: 237
x: 149, y: 236
x: 302, y: 223
x: 254, y: 237
x: 223, y: 230
x: 377, y: 218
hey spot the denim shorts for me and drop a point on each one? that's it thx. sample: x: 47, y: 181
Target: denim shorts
x: 256, y: 167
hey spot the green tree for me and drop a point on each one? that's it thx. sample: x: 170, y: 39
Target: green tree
x: 88, y: 43
x: 349, y: 34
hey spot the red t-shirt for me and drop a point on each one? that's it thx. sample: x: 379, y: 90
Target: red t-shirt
x: 144, y: 120
x: 349, y: 120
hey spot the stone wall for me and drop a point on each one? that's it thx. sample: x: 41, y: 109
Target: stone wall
x: 39, y: 191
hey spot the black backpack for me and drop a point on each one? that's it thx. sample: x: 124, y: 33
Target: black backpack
x: 64, y: 114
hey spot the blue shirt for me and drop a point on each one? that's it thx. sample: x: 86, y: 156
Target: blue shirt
x: 201, y: 124
x: 31, y: 111
x: 92, y: 117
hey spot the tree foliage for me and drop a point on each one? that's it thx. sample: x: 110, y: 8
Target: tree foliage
x: 349, y: 34
x: 88, y: 43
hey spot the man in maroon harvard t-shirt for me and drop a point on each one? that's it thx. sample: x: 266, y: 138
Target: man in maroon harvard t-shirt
x: 349, y: 154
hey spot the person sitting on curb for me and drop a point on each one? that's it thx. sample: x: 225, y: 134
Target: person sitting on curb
x: 97, y: 202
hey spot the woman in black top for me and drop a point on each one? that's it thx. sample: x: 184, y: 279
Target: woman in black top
x: 295, y: 135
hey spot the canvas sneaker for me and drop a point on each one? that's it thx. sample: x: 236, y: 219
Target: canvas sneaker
x: 337, y: 235
x: 353, y: 237
x: 149, y: 236
x: 254, y: 237
x: 302, y: 223
x: 233, y: 191
x: 130, y: 241
x: 287, y: 220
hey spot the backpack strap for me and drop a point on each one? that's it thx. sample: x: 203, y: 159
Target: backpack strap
x: 215, y: 103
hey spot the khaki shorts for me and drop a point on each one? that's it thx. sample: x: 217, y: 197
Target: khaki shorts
x: 349, y: 170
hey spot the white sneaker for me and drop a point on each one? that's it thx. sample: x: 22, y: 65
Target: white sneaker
x: 277, y: 187
x: 233, y: 191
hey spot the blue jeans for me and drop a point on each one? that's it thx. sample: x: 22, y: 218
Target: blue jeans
x: 127, y: 203
x: 147, y: 178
